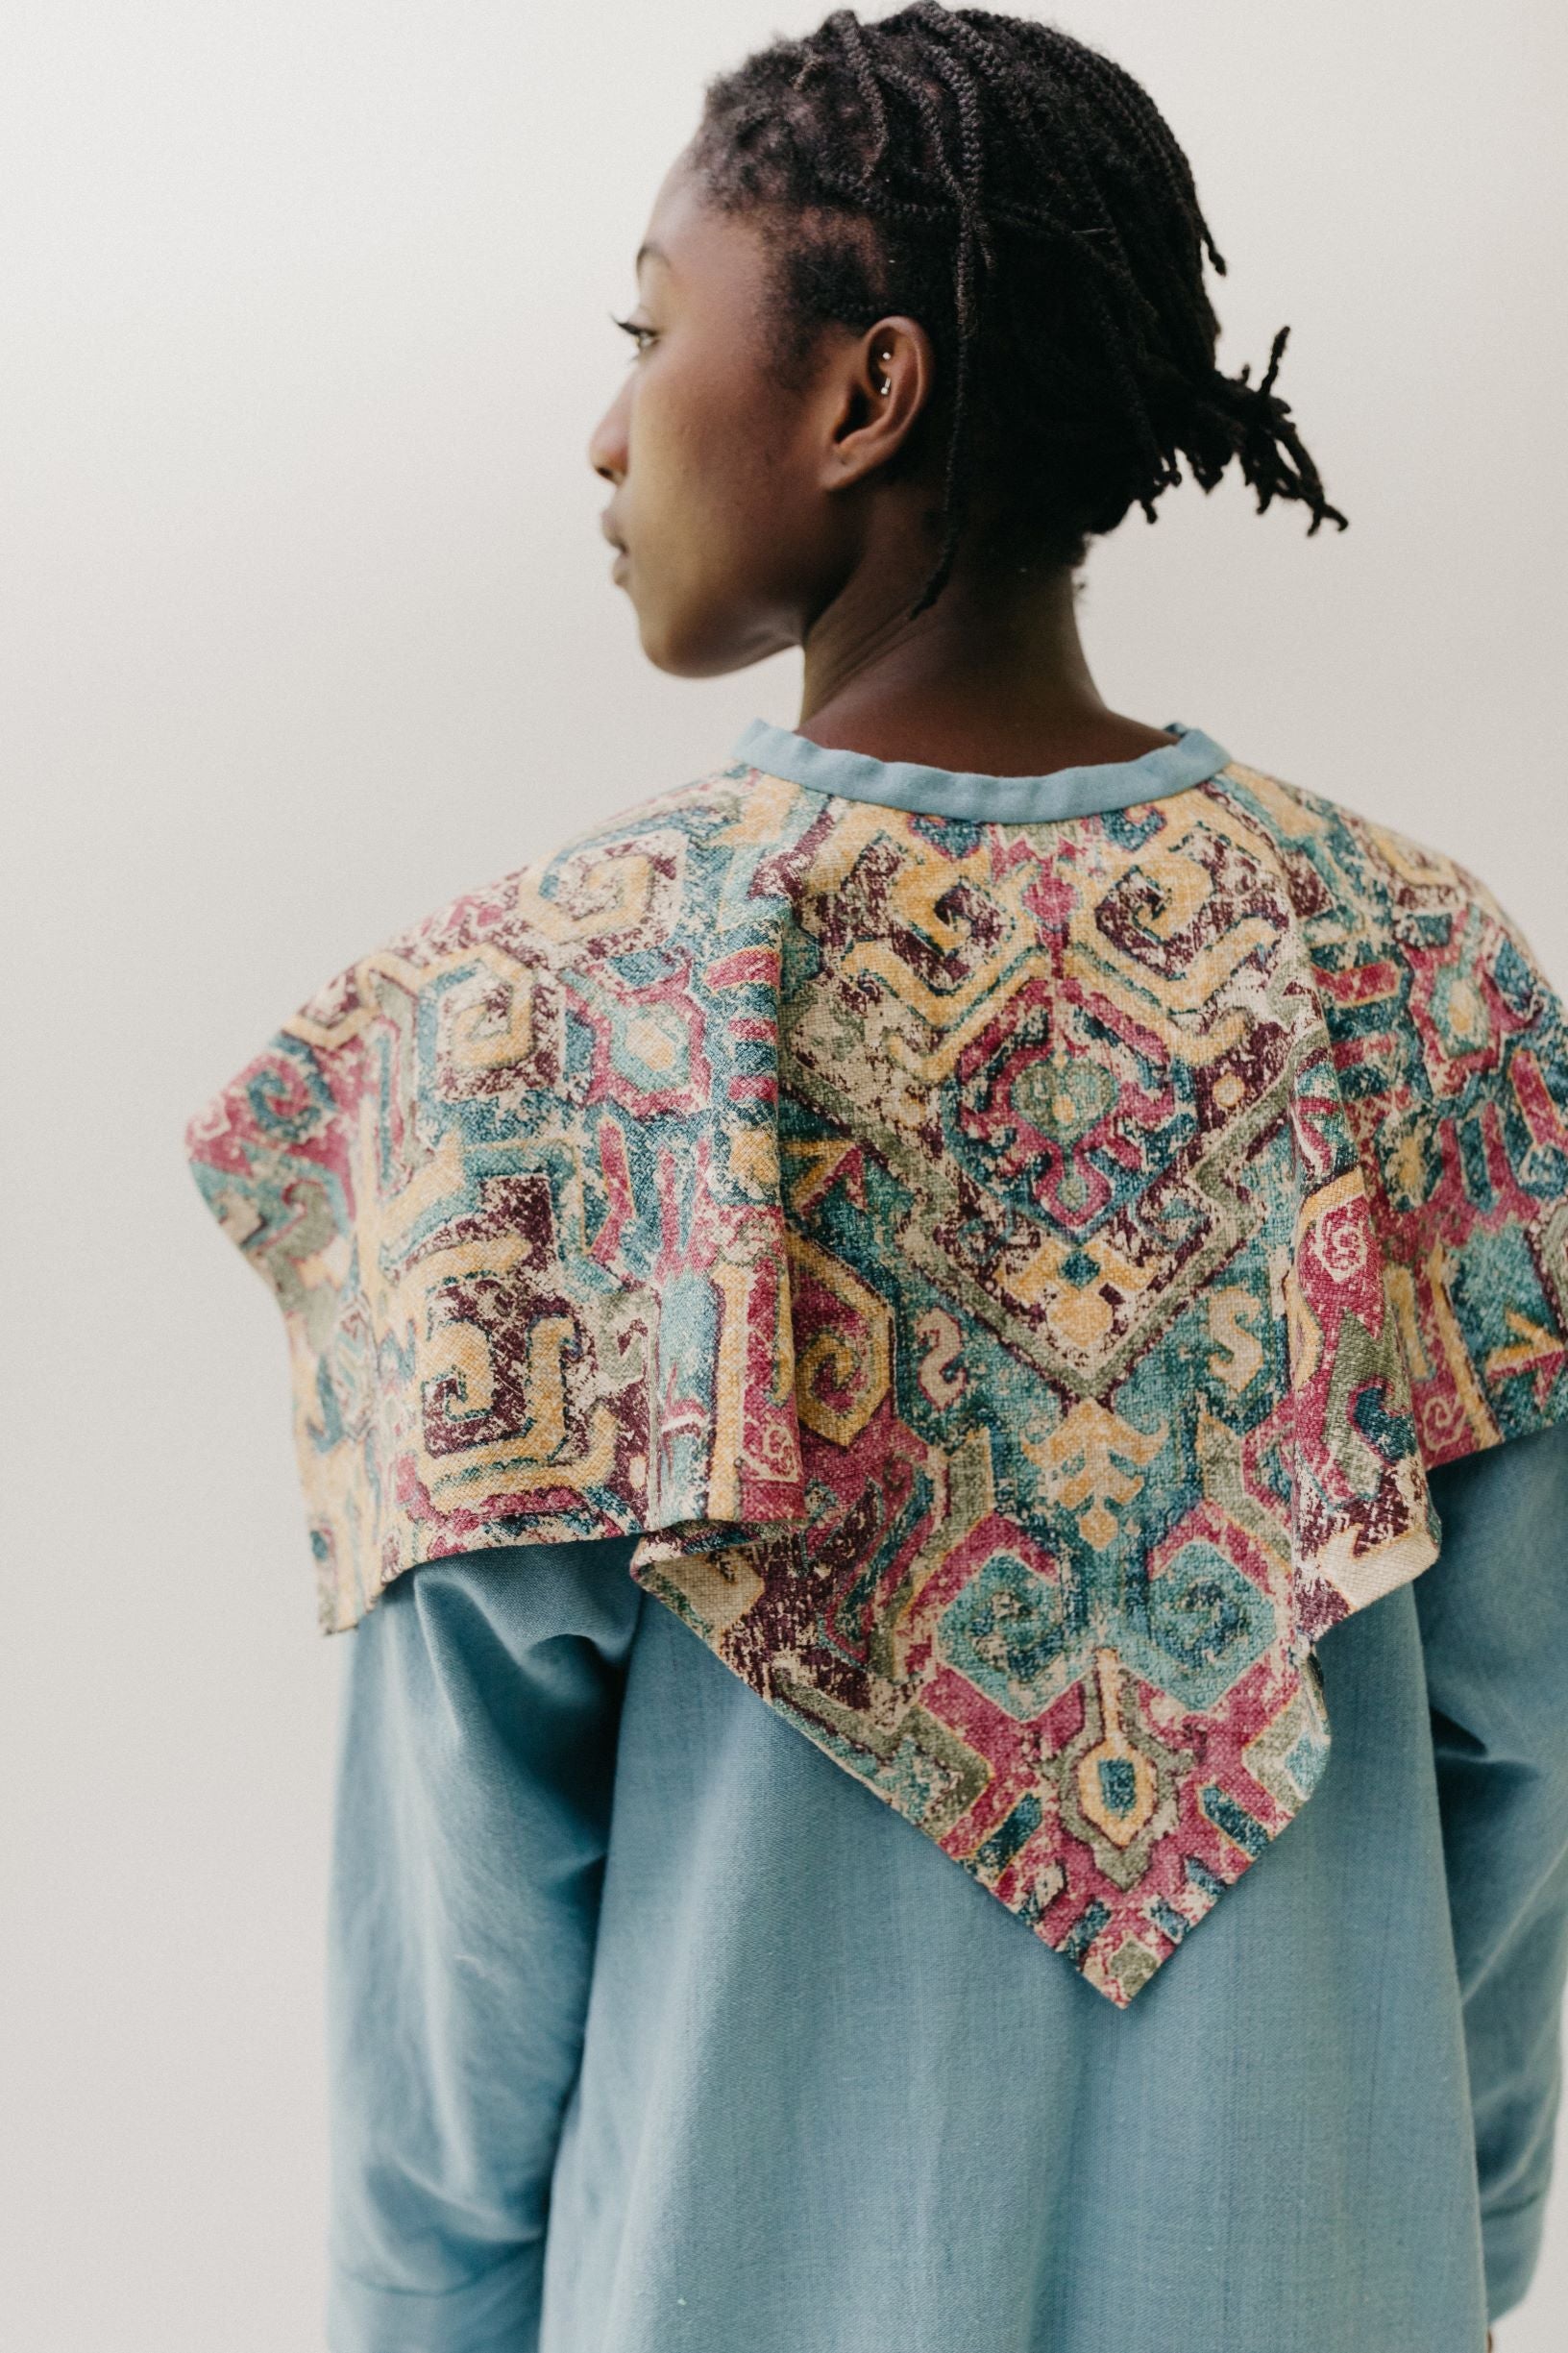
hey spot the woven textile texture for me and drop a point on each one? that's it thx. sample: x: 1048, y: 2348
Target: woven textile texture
x: 1014, y: 1278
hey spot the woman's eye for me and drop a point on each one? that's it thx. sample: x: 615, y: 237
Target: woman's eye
x: 634, y: 329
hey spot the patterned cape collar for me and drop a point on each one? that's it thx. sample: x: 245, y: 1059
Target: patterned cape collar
x: 1012, y: 1281
x: 1190, y: 759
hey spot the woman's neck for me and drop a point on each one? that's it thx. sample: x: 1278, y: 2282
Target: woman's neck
x: 991, y: 677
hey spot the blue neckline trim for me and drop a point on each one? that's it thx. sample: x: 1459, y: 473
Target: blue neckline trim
x: 1193, y: 758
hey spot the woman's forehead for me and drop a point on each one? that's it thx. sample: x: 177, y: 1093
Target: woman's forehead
x: 687, y: 236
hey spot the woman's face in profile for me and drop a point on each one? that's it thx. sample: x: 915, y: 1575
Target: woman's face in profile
x: 721, y: 473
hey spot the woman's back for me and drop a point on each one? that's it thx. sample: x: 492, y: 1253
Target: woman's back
x: 829, y: 2096
x: 799, y: 1066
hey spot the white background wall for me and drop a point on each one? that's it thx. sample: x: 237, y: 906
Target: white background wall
x: 307, y: 625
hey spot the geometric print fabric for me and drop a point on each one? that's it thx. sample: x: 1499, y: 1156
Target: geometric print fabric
x: 1014, y: 1278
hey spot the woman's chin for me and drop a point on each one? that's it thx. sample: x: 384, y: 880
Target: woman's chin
x: 697, y: 639
x: 667, y: 646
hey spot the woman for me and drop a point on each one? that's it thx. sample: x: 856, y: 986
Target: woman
x: 1023, y: 1234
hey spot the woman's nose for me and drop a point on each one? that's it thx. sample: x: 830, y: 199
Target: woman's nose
x: 607, y: 443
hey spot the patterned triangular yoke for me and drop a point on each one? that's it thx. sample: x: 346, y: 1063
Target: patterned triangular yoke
x: 1012, y: 1255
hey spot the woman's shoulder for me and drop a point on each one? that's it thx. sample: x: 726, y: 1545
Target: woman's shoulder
x: 1419, y: 966
x: 1449, y: 1049
x: 626, y: 882
x: 1343, y: 861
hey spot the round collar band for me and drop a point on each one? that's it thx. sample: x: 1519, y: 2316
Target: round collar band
x: 947, y: 791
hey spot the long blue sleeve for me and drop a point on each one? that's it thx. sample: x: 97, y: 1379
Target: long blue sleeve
x: 537, y: 1863
x: 474, y: 1769
x: 1494, y: 1629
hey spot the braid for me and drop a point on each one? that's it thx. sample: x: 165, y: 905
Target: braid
x: 1024, y: 198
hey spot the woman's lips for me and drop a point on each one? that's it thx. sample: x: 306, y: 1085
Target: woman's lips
x: 616, y: 565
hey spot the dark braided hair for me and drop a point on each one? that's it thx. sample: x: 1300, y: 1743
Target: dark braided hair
x: 1023, y: 198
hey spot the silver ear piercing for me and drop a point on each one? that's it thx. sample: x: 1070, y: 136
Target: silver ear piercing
x: 884, y: 356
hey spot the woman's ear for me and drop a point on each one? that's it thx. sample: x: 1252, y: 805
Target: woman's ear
x: 888, y: 380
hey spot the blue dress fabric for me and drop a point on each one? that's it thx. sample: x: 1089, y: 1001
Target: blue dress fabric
x: 634, y: 2045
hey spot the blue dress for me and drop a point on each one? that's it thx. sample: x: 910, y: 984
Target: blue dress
x: 634, y: 2047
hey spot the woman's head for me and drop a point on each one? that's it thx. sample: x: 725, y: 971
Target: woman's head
x: 929, y: 297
